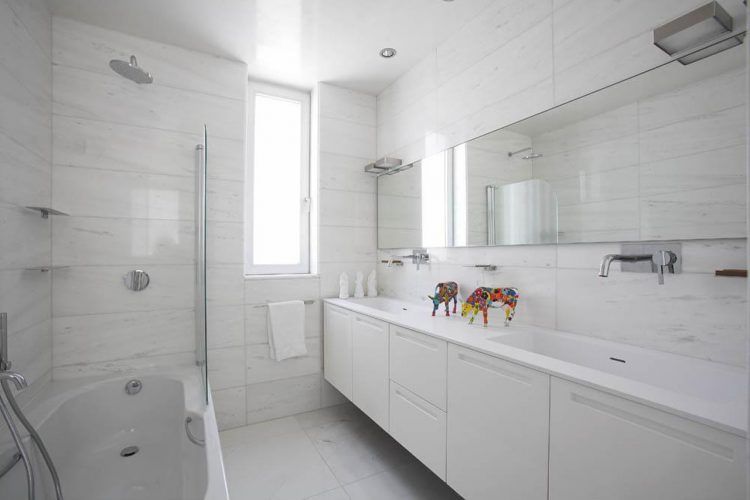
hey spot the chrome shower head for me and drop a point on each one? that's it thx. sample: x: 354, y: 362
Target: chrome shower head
x: 131, y: 70
x: 532, y: 155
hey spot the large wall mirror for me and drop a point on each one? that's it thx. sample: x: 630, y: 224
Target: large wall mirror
x: 660, y: 156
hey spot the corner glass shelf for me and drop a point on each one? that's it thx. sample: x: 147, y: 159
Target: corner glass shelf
x: 46, y: 211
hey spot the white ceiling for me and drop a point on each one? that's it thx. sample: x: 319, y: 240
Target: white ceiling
x: 294, y: 42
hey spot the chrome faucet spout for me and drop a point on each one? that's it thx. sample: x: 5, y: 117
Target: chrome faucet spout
x: 606, y: 262
x: 609, y: 258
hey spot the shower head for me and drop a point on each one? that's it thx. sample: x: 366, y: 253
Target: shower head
x: 131, y: 70
x: 532, y: 155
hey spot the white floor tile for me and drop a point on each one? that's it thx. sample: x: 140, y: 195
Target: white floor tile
x: 412, y: 482
x: 274, y: 460
x: 352, y: 445
x: 337, y: 494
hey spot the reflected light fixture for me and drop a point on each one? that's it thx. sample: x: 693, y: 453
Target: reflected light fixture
x: 387, y: 52
x: 695, y: 28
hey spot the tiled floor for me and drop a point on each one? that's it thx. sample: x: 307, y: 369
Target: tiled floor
x: 335, y: 453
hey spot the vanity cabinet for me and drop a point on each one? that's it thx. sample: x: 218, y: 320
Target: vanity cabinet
x: 498, y: 427
x: 604, y: 446
x: 370, y: 391
x: 419, y: 363
x: 337, y: 348
x: 420, y: 427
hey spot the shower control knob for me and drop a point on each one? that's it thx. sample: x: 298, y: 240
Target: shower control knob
x: 136, y: 280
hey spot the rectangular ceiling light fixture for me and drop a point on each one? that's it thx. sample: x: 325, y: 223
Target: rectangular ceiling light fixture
x: 695, y: 28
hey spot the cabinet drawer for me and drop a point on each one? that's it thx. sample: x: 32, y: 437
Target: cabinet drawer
x: 420, y: 427
x: 419, y: 363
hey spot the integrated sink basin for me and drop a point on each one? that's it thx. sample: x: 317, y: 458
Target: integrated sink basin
x: 382, y: 304
x: 701, y: 379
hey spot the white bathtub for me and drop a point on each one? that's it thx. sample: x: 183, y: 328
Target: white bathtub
x: 85, y: 425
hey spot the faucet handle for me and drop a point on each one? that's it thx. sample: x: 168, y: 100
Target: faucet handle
x: 664, y: 259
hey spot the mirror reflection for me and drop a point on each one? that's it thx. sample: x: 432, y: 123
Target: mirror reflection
x: 657, y: 157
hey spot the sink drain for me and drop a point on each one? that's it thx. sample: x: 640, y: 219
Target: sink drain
x: 129, y: 451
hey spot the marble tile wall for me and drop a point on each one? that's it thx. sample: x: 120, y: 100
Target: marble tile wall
x: 248, y: 386
x: 517, y: 58
x: 123, y: 167
x: 25, y: 168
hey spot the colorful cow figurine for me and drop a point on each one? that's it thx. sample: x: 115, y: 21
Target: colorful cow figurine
x: 444, y: 292
x: 483, y: 298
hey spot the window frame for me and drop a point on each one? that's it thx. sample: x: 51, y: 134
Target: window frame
x: 303, y: 267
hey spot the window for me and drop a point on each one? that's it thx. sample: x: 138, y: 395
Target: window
x: 277, y: 181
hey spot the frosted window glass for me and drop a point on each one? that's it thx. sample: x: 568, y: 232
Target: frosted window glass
x: 276, y: 181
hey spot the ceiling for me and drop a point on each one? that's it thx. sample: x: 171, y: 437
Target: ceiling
x: 292, y: 42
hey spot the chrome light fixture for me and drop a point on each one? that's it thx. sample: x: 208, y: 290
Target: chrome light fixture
x: 387, y: 52
x: 382, y: 165
x: 697, y: 27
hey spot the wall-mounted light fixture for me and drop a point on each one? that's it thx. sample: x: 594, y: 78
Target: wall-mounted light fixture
x: 383, y: 165
x: 697, y: 27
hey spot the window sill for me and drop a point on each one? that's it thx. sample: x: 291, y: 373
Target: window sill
x: 301, y: 276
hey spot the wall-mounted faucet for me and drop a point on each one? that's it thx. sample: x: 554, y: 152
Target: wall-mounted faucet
x: 659, y: 260
x: 417, y: 256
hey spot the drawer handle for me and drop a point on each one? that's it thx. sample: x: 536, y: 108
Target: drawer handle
x: 371, y: 323
x: 495, y: 369
x: 416, y: 340
x: 416, y: 405
x: 704, y: 444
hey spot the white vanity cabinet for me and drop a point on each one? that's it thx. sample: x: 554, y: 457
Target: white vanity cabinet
x: 419, y: 363
x: 498, y: 424
x: 370, y: 391
x: 604, y: 446
x: 337, y: 348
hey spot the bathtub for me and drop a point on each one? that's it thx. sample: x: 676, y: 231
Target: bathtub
x: 88, y: 426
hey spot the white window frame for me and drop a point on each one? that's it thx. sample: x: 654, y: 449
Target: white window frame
x: 303, y: 267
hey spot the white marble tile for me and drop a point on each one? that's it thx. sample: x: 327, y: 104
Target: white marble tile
x: 597, y: 216
x: 337, y: 494
x: 25, y: 119
x: 36, y: 16
x: 108, y: 97
x: 85, y: 46
x: 412, y: 482
x: 273, y: 460
x: 497, y: 25
x: 100, y: 289
x: 225, y: 243
x: 347, y: 208
x: 226, y: 367
x: 99, y: 241
x: 106, y: 337
x: 347, y: 244
x: 26, y: 243
x: 690, y: 172
x: 695, y: 315
x: 706, y: 256
x: 30, y: 350
x: 345, y: 173
x: 109, y: 146
x: 347, y: 138
x: 226, y: 326
x: 603, y: 156
x: 416, y: 120
x: 351, y: 444
x: 260, y: 291
x: 101, y: 193
x: 261, y: 368
x: 719, y: 212
x: 229, y: 405
x: 125, y: 367
x: 268, y: 400
x: 25, y: 296
x: 597, y: 186
x: 224, y: 200
x: 224, y: 284
x: 523, y: 62
x: 419, y: 80
x: 344, y: 104
x: 21, y: 52
x: 26, y: 175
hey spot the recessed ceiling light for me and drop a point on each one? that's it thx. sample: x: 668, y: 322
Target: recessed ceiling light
x: 387, y: 52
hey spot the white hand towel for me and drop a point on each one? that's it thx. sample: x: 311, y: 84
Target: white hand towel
x: 286, y: 329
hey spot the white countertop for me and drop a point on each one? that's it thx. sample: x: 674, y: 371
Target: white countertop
x: 711, y: 393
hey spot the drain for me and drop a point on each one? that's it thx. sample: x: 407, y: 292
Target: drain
x: 129, y: 451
